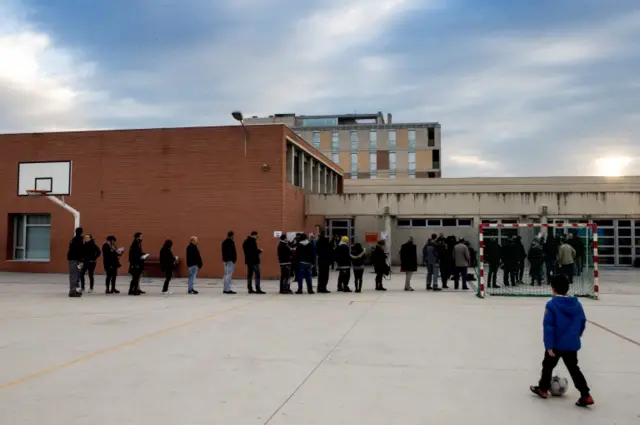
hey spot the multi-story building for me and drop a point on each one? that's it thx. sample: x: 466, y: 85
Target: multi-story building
x: 367, y: 147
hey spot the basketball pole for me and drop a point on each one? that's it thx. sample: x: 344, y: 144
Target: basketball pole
x: 73, y: 211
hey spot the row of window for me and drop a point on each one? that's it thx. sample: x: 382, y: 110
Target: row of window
x: 373, y: 140
x: 434, y: 222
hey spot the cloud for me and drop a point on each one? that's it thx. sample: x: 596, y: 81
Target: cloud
x: 517, y: 93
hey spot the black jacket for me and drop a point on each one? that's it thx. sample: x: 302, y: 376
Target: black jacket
x: 379, y: 259
x: 343, y: 256
x: 492, y: 253
x: 284, y: 253
x: 409, y: 257
x: 251, y: 251
x: 357, y: 257
x: 305, y: 252
x: 76, y: 249
x: 229, y: 253
x: 193, y: 256
x: 536, y: 256
x: 91, y: 252
x: 324, y: 250
x: 167, y: 259
x: 577, y: 244
x: 136, y: 263
x: 509, y: 254
x: 110, y: 258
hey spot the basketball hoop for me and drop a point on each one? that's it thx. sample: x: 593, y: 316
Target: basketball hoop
x: 37, y: 192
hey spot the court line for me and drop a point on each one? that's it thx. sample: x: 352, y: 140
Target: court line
x: 334, y: 348
x: 117, y: 347
x: 604, y: 328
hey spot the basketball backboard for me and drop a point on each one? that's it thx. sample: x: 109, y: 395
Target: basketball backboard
x: 54, y: 177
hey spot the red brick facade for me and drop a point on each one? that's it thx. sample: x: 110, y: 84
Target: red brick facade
x: 165, y: 183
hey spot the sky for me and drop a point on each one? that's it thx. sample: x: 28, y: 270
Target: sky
x: 519, y: 90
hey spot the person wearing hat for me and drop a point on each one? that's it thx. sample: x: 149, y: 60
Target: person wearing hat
x: 343, y: 263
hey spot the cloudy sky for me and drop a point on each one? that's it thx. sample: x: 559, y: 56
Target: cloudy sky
x: 521, y: 88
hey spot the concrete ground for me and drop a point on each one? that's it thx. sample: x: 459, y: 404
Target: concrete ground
x: 370, y: 358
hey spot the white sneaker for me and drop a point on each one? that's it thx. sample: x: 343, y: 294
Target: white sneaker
x: 90, y: 290
x: 167, y: 293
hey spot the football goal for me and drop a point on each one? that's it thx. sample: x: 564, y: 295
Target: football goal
x: 519, y: 259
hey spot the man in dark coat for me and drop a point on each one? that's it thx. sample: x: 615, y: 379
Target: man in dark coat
x: 136, y: 264
x: 550, y: 250
x: 380, y: 266
x: 229, y: 258
x: 252, y: 260
x: 111, y: 263
x: 90, y: 258
x: 75, y: 255
x: 324, y: 251
x: 536, y: 258
x: 194, y: 263
x: 509, y: 256
x: 492, y: 257
x: 409, y: 261
x: 284, y: 260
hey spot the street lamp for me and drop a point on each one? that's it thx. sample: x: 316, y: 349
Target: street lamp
x: 237, y: 115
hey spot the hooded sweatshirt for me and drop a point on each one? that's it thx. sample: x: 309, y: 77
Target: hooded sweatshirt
x: 343, y: 256
x: 564, y: 322
x: 305, y: 252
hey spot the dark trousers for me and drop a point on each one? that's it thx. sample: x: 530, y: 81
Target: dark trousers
x: 510, y: 275
x: 445, y: 274
x: 567, y: 270
x: 536, y: 273
x: 134, y: 286
x: 343, y: 279
x: 323, y: 275
x: 168, y: 274
x: 357, y: 278
x: 111, y: 273
x: 379, y: 281
x: 570, y: 359
x: 305, y: 274
x: 253, y: 269
x: 285, y: 275
x: 550, y: 263
x: 520, y: 270
x: 493, y: 275
x: 87, y: 268
x: 460, y: 272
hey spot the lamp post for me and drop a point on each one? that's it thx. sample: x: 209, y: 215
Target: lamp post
x: 237, y: 115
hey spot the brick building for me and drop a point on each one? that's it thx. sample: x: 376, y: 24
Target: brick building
x: 167, y: 184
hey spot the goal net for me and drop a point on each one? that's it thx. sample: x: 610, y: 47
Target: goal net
x: 519, y: 259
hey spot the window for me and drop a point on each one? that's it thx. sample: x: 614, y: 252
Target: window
x: 335, y: 141
x: 431, y: 175
x: 449, y: 222
x: 412, y: 140
x: 392, y: 162
x: 354, y: 164
x: 404, y: 223
x: 297, y: 170
x: 412, y: 164
x: 392, y: 140
x: 316, y: 139
x: 373, y: 140
x: 464, y: 222
x: 373, y: 163
x: 354, y: 141
x: 431, y: 136
x: 433, y: 222
x: 418, y: 222
x: 500, y: 234
x: 335, y: 158
x: 319, y: 122
x: 31, y: 237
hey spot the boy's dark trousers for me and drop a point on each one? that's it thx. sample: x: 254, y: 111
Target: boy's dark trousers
x: 88, y: 267
x: 536, y: 273
x: 285, y: 275
x: 570, y: 359
x: 323, y: 275
x: 567, y: 270
x: 168, y: 274
x: 493, y: 275
x: 111, y: 273
x: 344, y: 275
x: 520, y: 270
x: 357, y: 277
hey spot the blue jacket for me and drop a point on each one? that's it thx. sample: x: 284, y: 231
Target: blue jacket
x: 564, y: 323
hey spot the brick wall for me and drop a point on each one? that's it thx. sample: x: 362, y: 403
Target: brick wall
x: 165, y: 183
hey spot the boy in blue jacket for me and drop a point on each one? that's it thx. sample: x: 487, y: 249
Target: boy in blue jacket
x: 564, y: 323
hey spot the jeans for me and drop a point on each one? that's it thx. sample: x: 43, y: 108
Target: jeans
x: 193, y: 273
x: 88, y: 267
x: 432, y: 275
x: 229, y: 268
x: 357, y: 278
x: 570, y: 359
x: 74, y: 276
x: 253, y: 269
x: 305, y: 274
x: 168, y: 274
x: 460, y: 271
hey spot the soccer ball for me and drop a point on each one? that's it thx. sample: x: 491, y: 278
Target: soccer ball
x: 559, y: 385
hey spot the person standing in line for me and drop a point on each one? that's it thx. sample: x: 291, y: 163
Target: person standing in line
x: 380, y: 266
x: 566, y: 260
x: 229, y: 258
x: 409, y: 261
x: 357, y: 260
x: 75, y: 256
x: 194, y: 263
x: 461, y: 260
x: 284, y: 260
x: 306, y: 257
x: 111, y: 262
x: 521, y: 256
x: 550, y: 249
x: 324, y: 251
x: 167, y: 261
x: 343, y: 262
x: 136, y: 264
x: 509, y: 259
x: 90, y: 258
x: 536, y: 258
x: 492, y: 256
x: 334, y: 244
x: 578, y: 245
x: 431, y: 257
x: 252, y: 260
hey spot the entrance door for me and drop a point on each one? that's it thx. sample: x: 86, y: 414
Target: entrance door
x: 341, y: 227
